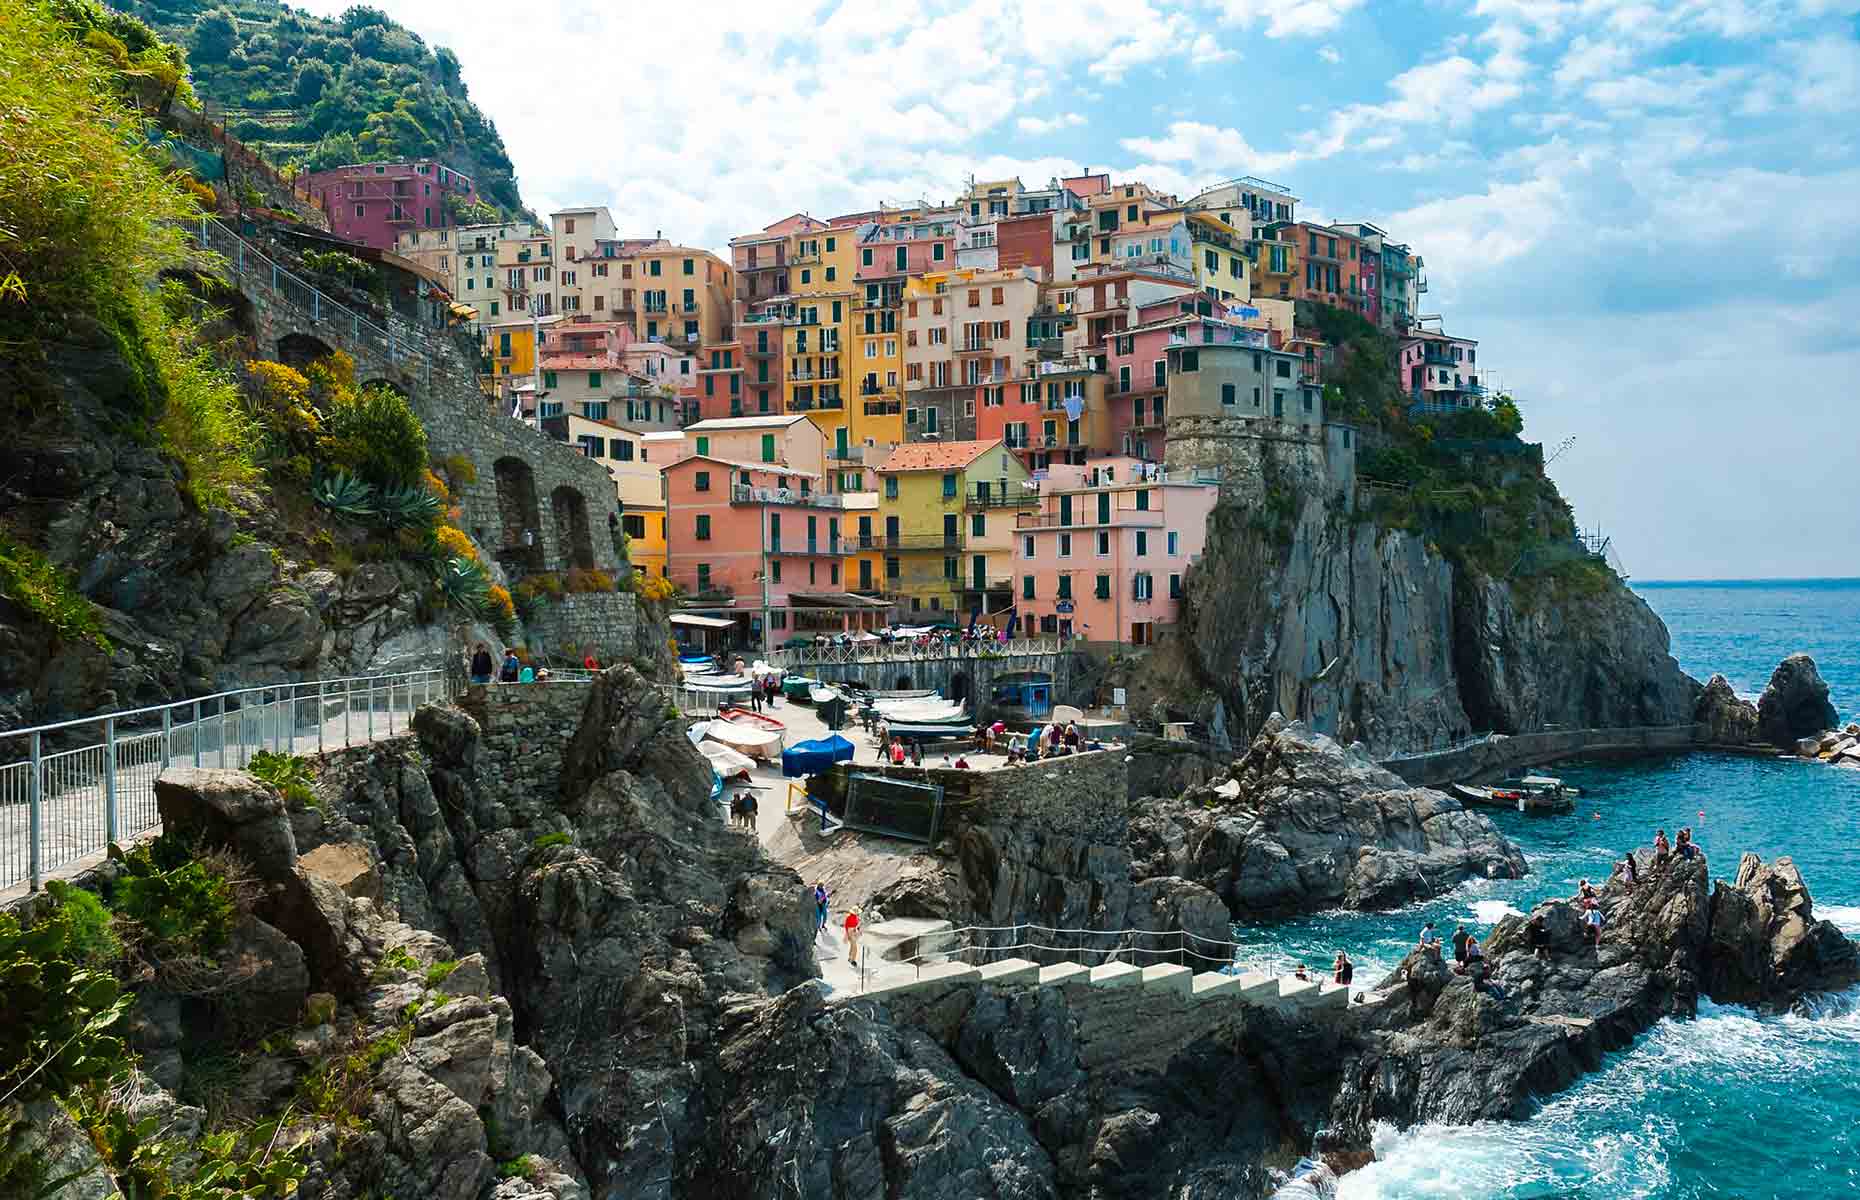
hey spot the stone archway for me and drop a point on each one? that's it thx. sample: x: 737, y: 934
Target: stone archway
x: 572, y: 541
x: 961, y: 689
x: 299, y: 350
x: 903, y: 684
x: 520, y: 546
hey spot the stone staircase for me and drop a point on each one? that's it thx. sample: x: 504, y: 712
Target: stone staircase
x: 1286, y: 993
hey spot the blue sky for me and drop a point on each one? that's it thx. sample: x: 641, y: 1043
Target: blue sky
x: 1645, y: 213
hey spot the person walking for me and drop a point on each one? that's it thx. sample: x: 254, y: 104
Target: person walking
x: 851, y: 926
x: 1459, y: 940
x: 751, y: 809
x: 820, y: 906
x: 1343, y: 970
x: 482, y: 665
x: 513, y: 666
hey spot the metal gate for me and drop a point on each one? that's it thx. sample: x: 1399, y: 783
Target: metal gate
x: 905, y: 808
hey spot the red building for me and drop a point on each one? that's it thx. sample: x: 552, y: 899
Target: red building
x: 374, y: 203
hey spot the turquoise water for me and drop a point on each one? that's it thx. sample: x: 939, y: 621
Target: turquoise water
x: 1731, y: 1105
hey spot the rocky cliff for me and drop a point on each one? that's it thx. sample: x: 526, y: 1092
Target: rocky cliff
x: 1373, y: 635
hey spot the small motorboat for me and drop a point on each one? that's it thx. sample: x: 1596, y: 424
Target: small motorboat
x: 1516, y: 799
x: 820, y: 694
x: 931, y: 733
x: 749, y: 716
x: 795, y: 687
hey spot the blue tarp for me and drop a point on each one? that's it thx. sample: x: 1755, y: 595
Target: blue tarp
x: 807, y: 758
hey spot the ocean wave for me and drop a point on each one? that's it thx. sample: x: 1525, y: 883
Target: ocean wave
x: 1845, y: 916
x: 1490, y: 1159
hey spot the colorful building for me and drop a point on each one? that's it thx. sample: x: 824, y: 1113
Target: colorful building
x: 1440, y: 372
x: 374, y: 203
x: 942, y: 555
x: 466, y: 257
x: 1105, y: 555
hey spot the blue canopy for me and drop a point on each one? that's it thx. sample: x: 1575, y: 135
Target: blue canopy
x: 807, y: 758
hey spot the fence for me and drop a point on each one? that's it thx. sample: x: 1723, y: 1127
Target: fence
x: 61, y: 803
x: 904, y: 650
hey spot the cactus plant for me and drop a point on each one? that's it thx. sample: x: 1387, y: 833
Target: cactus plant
x: 345, y: 496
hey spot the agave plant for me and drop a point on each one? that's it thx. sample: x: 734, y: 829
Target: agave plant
x: 344, y: 495
x: 463, y: 586
x: 407, y: 507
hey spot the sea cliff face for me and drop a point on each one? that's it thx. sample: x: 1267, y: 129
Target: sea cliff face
x: 1372, y: 635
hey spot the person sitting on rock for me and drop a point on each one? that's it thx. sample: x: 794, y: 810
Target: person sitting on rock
x: 1300, y: 973
x: 1482, y: 982
x: 1459, y: 946
x: 1585, y: 890
x: 1630, y: 873
x: 1684, y: 847
x: 1592, y: 922
x: 1537, y: 935
x: 1430, y: 940
x: 1343, y: 970
x: 1475, y: 955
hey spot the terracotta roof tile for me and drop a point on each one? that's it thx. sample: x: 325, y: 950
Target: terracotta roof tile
x: 936, y: 456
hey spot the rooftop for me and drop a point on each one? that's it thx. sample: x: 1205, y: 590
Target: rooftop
x: 936, y: 456
x: 765, y: 468
x: 775, y: 421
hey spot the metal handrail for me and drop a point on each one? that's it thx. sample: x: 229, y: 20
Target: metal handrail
x: 62, y: 803
x: 903, y: 651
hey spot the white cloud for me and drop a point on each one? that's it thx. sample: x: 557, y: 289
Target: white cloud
x: 1216, y: 150
x: 1288, y: 18
x: 1206, y: 50
x: 1043, y: 125
x: 1329, y: 54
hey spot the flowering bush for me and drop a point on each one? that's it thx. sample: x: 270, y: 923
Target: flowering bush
x: 454, y: 544
x: 497, y: 598
x: 580, y: 580
x: 655, y: 588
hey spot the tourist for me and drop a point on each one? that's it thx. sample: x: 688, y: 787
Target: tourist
x: 1482, y: 982
x: 1343, y: 970
x: 481, y: 665
x: 755, y: 698
x: 1072, y: 736
x: 750, y: 810
x: 1630, y: 872
x: 820, y: 906
x: 590, y: 663
x: 897, y: 754
x: 1684, y: 847
x: 884, y: 732
x: 1300, y: 973
x: 962, y: 764
x: 736, y: 810
x: 1459, y: 945
x: 1015, y: 755
x: 1661, y: 851
x: 996, y: 732
x: 1585, y: 890
x: 1537, y: 936
x: 513, y: 666
x: 542, y: 675
x: 917, y: 753
x: 1592, y: 922
x: 1475, y: 955
x: 1430, y: 940
x: 851, y: 926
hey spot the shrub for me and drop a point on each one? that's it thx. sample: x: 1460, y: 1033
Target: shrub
x: 435, y: 485
x: 439, y: 971
x: 291, y: 774
x: 545, y: 584
x: 374, y: 434
x: 278, y: 400
x: 463, y: 586
x: 345, y: 496
x: 407, y: 508
x: 580, y: 580
x: 204, y: 422
x: 89, y: 939
x: 46, y: 592
x: 549, y: 841
x: 461, y: 471
x: 501, y: 606
x: 181, y: 908
x: 656, y: 588
x: 453, y: 543
x: 340, y: 266
x: 61, y: 1015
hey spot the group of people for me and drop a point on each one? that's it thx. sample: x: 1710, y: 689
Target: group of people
x: 851, y: 925
x: 484, y: 667
x: 1051, y: 742
x: 892, y: 750
x: 743, y: 810
x: 1341, y: 971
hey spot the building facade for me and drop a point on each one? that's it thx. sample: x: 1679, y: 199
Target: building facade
x: 375, y: 203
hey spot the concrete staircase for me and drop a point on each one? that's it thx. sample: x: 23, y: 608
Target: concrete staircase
x: 1285, y: 993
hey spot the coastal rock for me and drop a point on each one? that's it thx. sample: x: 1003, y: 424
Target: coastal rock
x: 1795, y: 704
x: 1444, y: 1048
x: 1301, y: 824
x: 628, y: 726
x: 231, y: 809
x: 1767, y: 949
x: 1727, y: 720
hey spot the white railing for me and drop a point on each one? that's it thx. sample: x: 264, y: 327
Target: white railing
x: 81, y: 784
x: 908, y: 650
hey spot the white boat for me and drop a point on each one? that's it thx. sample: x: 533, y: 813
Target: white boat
x: 820, y: 694
x: 723, y: 760
x: 749, y: 739
x: 945, y: 713
x: 717, y: 683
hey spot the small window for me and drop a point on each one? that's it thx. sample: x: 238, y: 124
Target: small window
x: 690, y: 266
x: 700, y: 481
x: 703, y: 445
x: 1228, y: 393
x: 949, y: 486
x: 1026, y: 587
x: 1143, y: 543
x: 703, y: 527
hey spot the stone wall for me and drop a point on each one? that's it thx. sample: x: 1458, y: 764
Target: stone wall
x: 1495, y: 755
x: 968, y: 677
x: 1252, y: 453
x: 1079, y: 796
x: 526, y: 731
x: 607, y: 622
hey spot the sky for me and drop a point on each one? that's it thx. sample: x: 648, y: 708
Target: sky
x: 1645, y: 213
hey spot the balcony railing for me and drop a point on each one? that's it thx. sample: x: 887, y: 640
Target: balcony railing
x: 918, y: 541
x: 816, y: 547
x: 745, y: 494
x: 974, y: 345
x: 883, y: 408
x: 1014, y: 496
x: 906, y: 651
x: 1143, y: 518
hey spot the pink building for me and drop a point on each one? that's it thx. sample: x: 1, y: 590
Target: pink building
x: 1105, y: 556
x: 1439, y: 371
x: 374, y: 203
x: 1136, y: 365
x: 761, y: 545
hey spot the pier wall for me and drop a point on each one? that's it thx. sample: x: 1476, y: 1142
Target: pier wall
x: 1499, y: 753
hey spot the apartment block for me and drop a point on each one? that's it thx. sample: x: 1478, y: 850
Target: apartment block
x: 374, y: 203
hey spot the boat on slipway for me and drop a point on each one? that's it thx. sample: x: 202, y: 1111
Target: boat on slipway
x: 751, y: 718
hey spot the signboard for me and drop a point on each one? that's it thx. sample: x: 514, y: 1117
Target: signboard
x: 1064, y: 606
x: 1118, y: 697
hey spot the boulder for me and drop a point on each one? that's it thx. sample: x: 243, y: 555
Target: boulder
x: 346, y: 866
x: 314, y: 913
x: 1767, y: 949
x: 771, y: 916
x: 1795, y: 705
x: 628, y: 726
x: 1727, y: 720
x: 231, y: 809
x: 451, y: 736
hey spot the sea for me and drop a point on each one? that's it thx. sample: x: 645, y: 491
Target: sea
x: 1732, y: 1105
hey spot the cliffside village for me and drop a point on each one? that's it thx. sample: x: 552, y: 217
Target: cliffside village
x: 920, y: 414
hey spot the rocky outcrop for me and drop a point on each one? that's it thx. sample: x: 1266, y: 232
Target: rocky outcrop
x: 232, y: 809
x: 1795, y: 704
x: 1725, y: 720
x: 1767, y: 949
x: 1301, y: 824
x: 1444, y: 1047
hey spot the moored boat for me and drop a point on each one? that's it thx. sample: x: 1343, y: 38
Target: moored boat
x: 795, y: 687
x: 749, y: 716
x: 1516, y: 799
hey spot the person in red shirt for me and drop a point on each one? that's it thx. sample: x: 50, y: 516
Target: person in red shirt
x: 852, y: 936
x: 589, y: 662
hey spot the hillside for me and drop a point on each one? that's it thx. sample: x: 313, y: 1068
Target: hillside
x: 304, y: 89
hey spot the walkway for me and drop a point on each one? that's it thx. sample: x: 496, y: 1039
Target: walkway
x: 76, y: 786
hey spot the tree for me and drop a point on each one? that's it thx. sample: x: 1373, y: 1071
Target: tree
x: 312, y: 78
x: 335, y: 150
x: 216, y: 33
x: 1510, y: 420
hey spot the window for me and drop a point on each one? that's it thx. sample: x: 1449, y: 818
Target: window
x: 891, y: 487
x: 936, y: 251
x: 1102, y: 589
x: 1175, y: 587
x: 1143, y: 499
x: 652, y: 267
x: 978, y: 525
x: 1065, y: 587
x: 950, y: 569
x: 775, y: 570
x: 1026, y: 549
x: 594, y: 379
x: 831, y: 243
x: 703, y: 445
x: 1161, y: 369
x: 831, y: 272
x: 1104, y: 544
x: 703, y: 577
x: 1175, y: 543
x: 1228, y: 393
x: 1143, y: 543
x: 1141, y: 585
x: 1123, y: 379
x: 1065, y: 545
x: 1211, y: 260
x: 1026, y: 587
x: 635, y: 526
x: 1191, y: 360
x: 807, y: 276
x: 949, y: 485
x: 548, y: 379
x: 690, y: 266
x: 703, y: 527
x: 700, y: 480
x: 865, y: 257
x: 768, y: 447
x: 568, y: 225
x: 891, y: 566
x: 1282, y: 369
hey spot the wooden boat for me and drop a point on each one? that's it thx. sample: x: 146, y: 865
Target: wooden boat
x: 1516, y: 799
x: 931, y: 733
x: 749, y: 716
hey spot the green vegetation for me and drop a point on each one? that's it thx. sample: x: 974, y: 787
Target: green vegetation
x: 291, y: 774
x: 47, y: 593
x: 327, y: 92
x: 440, y: 971
x: 175, y: 904
x: 549, y: 841
x: 523, y: 1166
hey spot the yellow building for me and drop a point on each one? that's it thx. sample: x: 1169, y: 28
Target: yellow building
x: 943, y: 542
x: 510, y: 349
x: 818, y: 375
x: 1219, y: 251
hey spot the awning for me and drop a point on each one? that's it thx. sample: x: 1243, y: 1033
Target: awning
x: 834, y: 600
x: 464, y: 312
x: 696, y: 622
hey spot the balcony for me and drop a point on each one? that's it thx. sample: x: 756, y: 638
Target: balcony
x: 976, y: 345
x: 1013, y: 497
x: 816, y: 547
x: 869, y: 387
x: 883, y: 408
x: 971, y: 584
x: 919, y: 541
x: 1150, y: 518
x: 744, y: 494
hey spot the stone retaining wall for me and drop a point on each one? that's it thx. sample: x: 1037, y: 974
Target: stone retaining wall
x: 527, y: 728
x: 1079, y: 796
x: 1252, y: 452
x: 1499, y: 754
x: 607, y: 622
